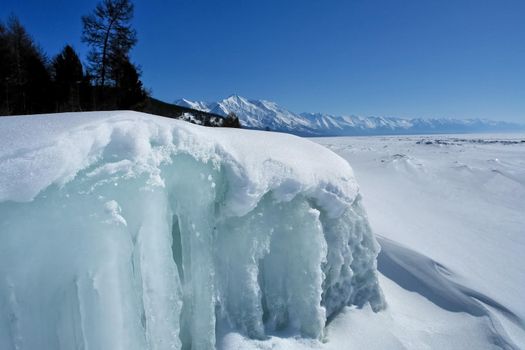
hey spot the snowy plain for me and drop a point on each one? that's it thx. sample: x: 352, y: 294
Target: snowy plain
x: 449, y: 213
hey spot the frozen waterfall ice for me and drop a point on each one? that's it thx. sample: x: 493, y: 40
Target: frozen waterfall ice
x: 121, y: 230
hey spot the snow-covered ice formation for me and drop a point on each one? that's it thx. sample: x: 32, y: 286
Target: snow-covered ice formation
x: 121, y: 230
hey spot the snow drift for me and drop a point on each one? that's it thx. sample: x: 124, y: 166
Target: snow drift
x: 121, y: 230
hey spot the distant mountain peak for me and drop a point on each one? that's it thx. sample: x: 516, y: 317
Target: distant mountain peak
x: 234, y: 97
x: 198, y: 105
x: 268, y: 115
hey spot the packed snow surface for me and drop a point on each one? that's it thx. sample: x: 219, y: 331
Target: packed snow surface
x: 121, y: 230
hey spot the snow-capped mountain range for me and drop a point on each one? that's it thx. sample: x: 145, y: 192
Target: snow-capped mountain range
x: 267, y: 115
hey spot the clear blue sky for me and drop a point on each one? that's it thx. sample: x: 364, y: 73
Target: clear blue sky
x: 408, y: 58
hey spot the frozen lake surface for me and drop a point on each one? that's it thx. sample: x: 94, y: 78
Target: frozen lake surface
x: 449, y: 213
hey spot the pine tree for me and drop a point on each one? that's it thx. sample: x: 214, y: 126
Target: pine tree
x: 68, y: 80
x: 109, y: 33
x: 129, y: 91
x: 231, y: 121
x: 5, y: 71
x: 24, y: 74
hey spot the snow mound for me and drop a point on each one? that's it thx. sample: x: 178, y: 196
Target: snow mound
x: 122, y: 230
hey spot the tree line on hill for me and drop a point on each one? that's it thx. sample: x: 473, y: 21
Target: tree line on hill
x: 31, y: 83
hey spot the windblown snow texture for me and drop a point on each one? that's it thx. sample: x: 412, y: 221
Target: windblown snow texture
x: 127, y: 231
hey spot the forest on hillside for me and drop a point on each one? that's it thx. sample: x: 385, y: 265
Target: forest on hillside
x: 34, y: 83
x: 31, y: 82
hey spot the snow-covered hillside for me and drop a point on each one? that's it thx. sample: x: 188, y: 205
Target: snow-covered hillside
x: 122, y: 230
x: 266, y: 115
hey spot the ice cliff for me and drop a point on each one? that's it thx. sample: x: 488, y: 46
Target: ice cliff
x: 121, y: 230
